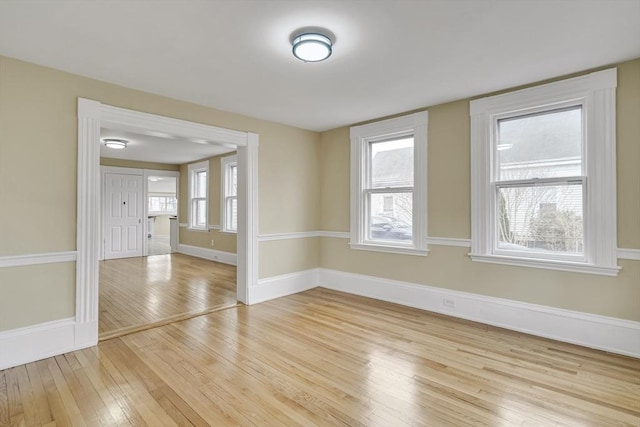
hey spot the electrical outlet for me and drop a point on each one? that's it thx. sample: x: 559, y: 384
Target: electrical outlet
x: 448, y: 302
x: 211, y: 242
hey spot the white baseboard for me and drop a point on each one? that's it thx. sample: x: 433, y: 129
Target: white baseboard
x: 31, y: 343
x: 589, y: 330
x: 210, y: 254
x: 286, y: 284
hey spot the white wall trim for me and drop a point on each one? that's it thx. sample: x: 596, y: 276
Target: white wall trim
x: 31, y: 343
x: 624, y: 253
x: 279, y: 286
x: 34, y: 259
x: 590, y: 330
x: 91, y: 116
x: 573, y: 267
x: 449, y: 241
x: 210, y: 254
x: 335, y: 234
x: 287, y: 236
x: 133, y: 121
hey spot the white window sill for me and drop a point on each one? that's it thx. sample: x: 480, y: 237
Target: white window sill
x: 228, y: 232
x: 389, y: 249
x: 575, y: 267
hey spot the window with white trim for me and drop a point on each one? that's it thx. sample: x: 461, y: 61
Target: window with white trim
x: 198, y: 196
x: 389, y: 185
x: 543, y: 176
x: 229, y: 194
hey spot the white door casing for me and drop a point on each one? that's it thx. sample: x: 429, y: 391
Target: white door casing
x: 123, y: 215
x: 92, y: 115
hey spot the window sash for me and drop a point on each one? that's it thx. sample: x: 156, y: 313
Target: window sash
x: 195, y: 211
x: 537, y: 183
x: 366, y: 202
x: 231, y: 214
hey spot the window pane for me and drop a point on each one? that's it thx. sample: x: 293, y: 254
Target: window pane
x: 391, y: 217
x: 541, y: 219
x: 172, y: 204
x: 392, y: 163
x: 540, y: 145
x: 233, y: 187
x: 200, y: 184
x: 154, y: 204
x: 232, y: 213
x: 199, y: 213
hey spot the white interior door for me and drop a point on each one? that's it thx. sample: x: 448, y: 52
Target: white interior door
x: 123, y: 215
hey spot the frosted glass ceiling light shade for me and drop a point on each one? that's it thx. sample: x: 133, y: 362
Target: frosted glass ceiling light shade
x: 312, y: 47
x: 116, y: 144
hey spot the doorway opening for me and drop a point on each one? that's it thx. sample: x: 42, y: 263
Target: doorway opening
x: 94, y: 117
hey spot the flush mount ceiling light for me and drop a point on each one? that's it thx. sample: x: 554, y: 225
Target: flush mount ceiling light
x: 311, y: 47
x: 116, y: 144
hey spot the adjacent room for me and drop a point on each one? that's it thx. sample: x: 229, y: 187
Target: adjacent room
x: 152, y: 227
x: 331, y: 213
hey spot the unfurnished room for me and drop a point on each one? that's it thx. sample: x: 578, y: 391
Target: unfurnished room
x: 320, y: 213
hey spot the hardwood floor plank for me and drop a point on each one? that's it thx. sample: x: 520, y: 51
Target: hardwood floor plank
x: 328, y: 359
x: 143, y: 290
x: 5, y: 418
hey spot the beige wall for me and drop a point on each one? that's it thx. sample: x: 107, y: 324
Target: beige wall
x: 38, y: 149
x: 302, y: 254
x: 303, y: 186
x: 449, y: 216
x: 36, y: 293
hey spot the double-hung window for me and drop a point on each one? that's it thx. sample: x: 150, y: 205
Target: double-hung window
x: 543, y: 176
x: 388, y: 185
x: 229, y: 193
x: 198, y: 195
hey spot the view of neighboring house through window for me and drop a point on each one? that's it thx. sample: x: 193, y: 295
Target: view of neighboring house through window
x: 390, y: 190
x: 229, y: 193
x: 539, y: 182
x: 388, y: 187
x: 198, y: 195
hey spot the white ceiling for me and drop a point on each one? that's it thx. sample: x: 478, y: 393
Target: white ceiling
x: 152, y: 148
x: 389, y: 56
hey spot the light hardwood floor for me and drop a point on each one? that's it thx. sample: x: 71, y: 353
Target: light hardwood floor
x: 325, y: 358
x: 145, y: 290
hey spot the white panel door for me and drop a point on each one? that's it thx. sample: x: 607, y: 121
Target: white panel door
x: 123, y: 210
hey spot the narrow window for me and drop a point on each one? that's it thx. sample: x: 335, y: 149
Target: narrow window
x: 198, y: 195
x: 229, y: 194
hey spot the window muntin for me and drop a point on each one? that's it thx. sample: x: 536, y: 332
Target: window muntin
x: 229, y: 194
x: 388, y: 207
x: 539, y: 165
x: 198, y: 196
